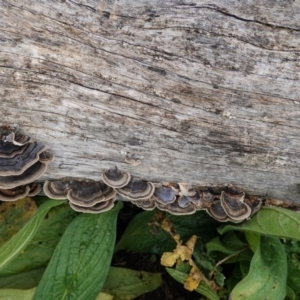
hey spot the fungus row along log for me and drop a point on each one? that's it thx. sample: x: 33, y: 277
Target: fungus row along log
x: 84, y: 195
x: 22, y: 161
x: 228, y: 204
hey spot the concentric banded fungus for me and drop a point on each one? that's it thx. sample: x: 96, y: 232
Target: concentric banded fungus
x: 29, y: 175
x: 14, y: 194
x: 147, y: 204
x: 137, y: 189
x: 217, y: 212
x: 175, y: 209
x: 84, y: 195
x: 115, y: 178
x: 88, y: 193
x: 96, y: 209
x: 254, y: 203
x: 184, y: 201
x: 164, y: 195
x: 57, y: 189
x: 234, y: 206
x: 17, y: 164
x: 21, y: 162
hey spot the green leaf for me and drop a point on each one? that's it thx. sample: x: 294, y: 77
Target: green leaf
x: 103, y: 296
x: 203, y: 288
x: 267, y: 275
x: 141, y: 236
x: 40, y: 249
x: 293, y: 278
x: 24, y: 280
x: 127, y: 284
x: 13, y: 216
x: 19, y: 241
x: 271, y: 221
x: 12, y: 294
x: 81, y: 260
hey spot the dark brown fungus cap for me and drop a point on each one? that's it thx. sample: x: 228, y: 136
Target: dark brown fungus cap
x: 14, y: 194
x: 254, y: 203
x: 184, y: 201
x: 175, y: 209
x: 137, y: 189
x: 46, y: 157
x: 22, y: 160
x: 35, y: 188
x: 115, y: 178
x: 57, y: 189
x: 96, y: 209
x: 234, y: 206
x: 29, y: 175
x: 147, y: 204
x: 164, y: 195
x: 87, y: 192
x: 217, y: 212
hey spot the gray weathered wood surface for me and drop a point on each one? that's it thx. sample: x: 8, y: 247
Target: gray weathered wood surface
x: 199, y: 91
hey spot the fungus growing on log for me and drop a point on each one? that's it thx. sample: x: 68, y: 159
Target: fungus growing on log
x: 234, y: 206
x: 137, y: 189
x: 84, y: 195
x: 97, y: 208
x: 115, y: 178
x: 22, y: 161
x: 164, y: 195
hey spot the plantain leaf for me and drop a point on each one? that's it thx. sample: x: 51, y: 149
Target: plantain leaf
x: 203, y: 288
x: 81, y: 260
x: 20, y: 240
x: 12, y: 294
x: 127, y: 284
x: 24, y: 280
x: 272, y: 221
x: 267, y: 275
x: 40, y: 249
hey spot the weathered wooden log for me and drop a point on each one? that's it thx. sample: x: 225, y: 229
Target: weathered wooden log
x: 188, y: 91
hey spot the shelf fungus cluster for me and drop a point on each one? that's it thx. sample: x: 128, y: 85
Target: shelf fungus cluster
x: 226, y: 204
x: 84, y: 195
x: 22, y: 161
x: 89, y: 196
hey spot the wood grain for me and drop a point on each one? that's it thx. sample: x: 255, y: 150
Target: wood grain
x: 199, y: 91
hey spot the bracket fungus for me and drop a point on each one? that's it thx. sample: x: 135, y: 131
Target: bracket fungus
x: 137, y: 189
x: 164, y: 194
x: 234, y: 206
x: 85, y: 195
x: 22, y: 161
x: 20, y: 192
x: 115, y: 178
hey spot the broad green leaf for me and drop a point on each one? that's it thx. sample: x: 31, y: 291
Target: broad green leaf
x: 267, y: 275
x: 24, y: 280
x: 81, y: 260
x: 40, y: 249
x: 203, y: 288
x: 20, y: 240
x: 142, y: 236
x: 253, y: 240
x: 290, y: 294
x: 229, y: 248
x: 12, y: 294
x: 128, y: 284
x: 228, y: 244
x: 104, y: 296
x: 293, y: 279
x: 13, y: 216
x: 271, y: 221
